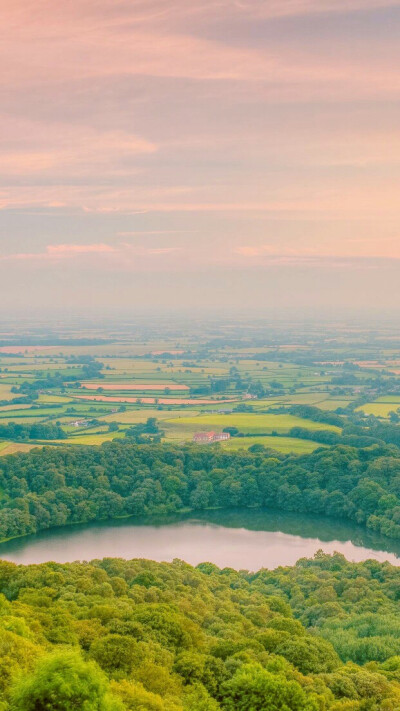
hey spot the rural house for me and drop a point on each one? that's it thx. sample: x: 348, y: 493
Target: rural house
x: 209, y: 437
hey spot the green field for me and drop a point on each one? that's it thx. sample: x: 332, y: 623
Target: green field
x: 286, y: 445
x: 379, y: 409
x: 184, y: 428
x: 245, y: 365
x: 332, y: 404
x: 90, y: 438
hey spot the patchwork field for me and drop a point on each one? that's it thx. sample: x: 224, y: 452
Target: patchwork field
x: 132, y: 417
x: 332, y: 404
x: 135, y: 386
x: 189, y: 383
x: 5, y: 392
x: 13, y: 447
x: 246, y: 423
x: 151, y: 400
x: 286, y: 445
x: 379, y: 409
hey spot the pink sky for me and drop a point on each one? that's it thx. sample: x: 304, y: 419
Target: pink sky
x: 202, y: 141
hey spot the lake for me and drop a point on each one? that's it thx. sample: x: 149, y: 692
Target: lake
x: 237, y: 539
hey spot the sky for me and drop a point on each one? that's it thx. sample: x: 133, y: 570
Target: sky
x: 199, y: 154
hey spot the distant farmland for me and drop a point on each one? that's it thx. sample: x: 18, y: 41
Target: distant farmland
x: 135, y: 386
x: 248, y: 423
x: 286, y: 445
x: 150, y: 400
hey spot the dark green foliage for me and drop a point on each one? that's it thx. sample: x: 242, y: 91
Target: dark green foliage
x: 57, y: 486
x: 145, y: 432
x: 17, y: 432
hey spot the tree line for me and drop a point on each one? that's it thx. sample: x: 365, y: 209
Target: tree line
x: 55, y: 486
x: 37, y: 430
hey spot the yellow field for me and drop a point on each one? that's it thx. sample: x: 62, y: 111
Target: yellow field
x: 379, y: 409
x: 286, y: 445
x: 254, y: 423
x: 132, y: 417
x: 90, y: 438
x: 21, y: 420
x: 12, y: 408
x: 54, y: 399
x: 332, y: 404
x: 152, y: 400
x: 5, y: 392
x: 13, y: 447
x: 141, y: 386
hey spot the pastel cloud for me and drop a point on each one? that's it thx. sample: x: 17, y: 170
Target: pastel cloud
x: 56, y: 252
x: 228, y: 134
x: 40, y: 149
x: 100, y: 40
x: 263, y: 254
x: 109, y: 256
x: 125, y: 256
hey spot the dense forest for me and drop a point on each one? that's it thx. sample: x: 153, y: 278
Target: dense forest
x: 118, y: 635
x: 54, y: 486
x: 37, y: 430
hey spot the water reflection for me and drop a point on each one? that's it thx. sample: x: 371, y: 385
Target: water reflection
x: 235, y: 538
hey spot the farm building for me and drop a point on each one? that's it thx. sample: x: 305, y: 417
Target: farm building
x: 221, y: 436
x: 209, y: 437
x: 80, y: 423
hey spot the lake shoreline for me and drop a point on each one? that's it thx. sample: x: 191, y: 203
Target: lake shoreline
x: 252, y: 538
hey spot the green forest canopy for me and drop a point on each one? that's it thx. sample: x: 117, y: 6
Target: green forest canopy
x: 57, y: 486
x: 113, y: 635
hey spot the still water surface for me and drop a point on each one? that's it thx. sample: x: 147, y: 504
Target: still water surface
x: 238, y: 539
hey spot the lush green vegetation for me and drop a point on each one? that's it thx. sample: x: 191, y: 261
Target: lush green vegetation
x: 57, y: 486
x: 117, y: 635
x: 353, y: 605
x: 286, y: 445
x: 39, y: 431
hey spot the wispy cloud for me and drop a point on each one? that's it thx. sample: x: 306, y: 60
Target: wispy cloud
x: 105, y: 40
x: 260, y: 255
x: 180, y: 135
x: 57, y: 252
x: 55, y: 150
x: 290, y: 8
x: 121, y: 255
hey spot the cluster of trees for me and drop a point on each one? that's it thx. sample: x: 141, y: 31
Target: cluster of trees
x: 238, y: 382
x: 384, y: 431
x: 329, y: 437
x: 90, y: 370
x: 137, y: 635
x: 60, y: 485
x: 353, y: 605
x: 16, y: 401
x: 356, y: 429
x: 43, y: 430
x: 145, y: 432
x: 214, y: 386
x: 310, y: 412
